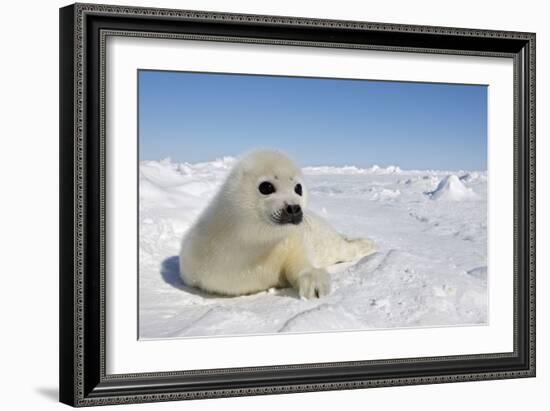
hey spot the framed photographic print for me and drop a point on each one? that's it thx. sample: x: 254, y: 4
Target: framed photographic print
x: 262, y: 204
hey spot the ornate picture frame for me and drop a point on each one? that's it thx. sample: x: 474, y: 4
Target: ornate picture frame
x: 84, y: 29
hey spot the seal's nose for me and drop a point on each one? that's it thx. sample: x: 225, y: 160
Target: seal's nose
x: 293, y: 209
x: 293, y: 214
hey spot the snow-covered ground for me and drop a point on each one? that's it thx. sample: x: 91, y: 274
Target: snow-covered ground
x: 430, y: 270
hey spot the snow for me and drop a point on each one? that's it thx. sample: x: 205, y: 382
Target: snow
x: 430, y: 270
x: 375, y: 169
x: 451, y: 188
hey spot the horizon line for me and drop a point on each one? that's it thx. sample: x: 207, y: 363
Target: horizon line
x: 371, y: 167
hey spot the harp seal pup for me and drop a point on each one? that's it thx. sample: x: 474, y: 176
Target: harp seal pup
x: 257, y: 234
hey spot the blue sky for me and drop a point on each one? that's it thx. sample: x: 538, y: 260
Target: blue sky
x: 199, y: 117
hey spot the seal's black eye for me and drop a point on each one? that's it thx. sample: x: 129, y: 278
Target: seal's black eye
x: 298, y: 189
x: 266, y: 188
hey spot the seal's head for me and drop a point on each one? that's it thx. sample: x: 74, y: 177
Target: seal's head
x: 271, y: 188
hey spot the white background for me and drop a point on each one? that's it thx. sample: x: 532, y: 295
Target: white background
x: 29, y: 205
x: 125, y: 354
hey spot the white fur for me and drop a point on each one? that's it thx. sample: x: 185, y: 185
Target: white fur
x: 236, y: 248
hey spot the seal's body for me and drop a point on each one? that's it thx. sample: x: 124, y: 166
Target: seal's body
x: 255, y: 234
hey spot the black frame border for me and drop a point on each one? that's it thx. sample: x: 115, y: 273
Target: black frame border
x: 83, y: 31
